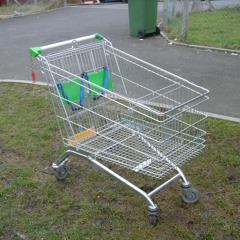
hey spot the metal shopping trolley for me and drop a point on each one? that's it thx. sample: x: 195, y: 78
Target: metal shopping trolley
x: 113, y: 107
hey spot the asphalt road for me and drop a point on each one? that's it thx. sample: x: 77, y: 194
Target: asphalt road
x: 217, y: 71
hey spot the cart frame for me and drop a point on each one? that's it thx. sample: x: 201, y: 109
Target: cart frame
x: 189, y: 194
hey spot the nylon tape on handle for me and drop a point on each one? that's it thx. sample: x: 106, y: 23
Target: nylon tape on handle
x: 105, y: 80
x: 81, y: 101
x: 60, y: 87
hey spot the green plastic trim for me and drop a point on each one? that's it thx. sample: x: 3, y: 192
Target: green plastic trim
x: 98, y: 36
x: 33, y: 52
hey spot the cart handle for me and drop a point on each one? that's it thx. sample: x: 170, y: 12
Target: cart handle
x: 35, y: 51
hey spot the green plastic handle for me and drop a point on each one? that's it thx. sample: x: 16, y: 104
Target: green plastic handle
x: 35, y: 51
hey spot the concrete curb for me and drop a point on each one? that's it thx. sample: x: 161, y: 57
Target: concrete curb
x: 223, y: 117
x: 213, y: 115
x: 23, y: 81
x: 199, y: 46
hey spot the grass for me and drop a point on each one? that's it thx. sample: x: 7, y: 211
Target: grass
x: 218, y: 28
x: 18, y: 9
x: 14, y: 9
x: 89, y: 204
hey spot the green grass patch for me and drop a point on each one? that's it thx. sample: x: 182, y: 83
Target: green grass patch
x: 89, y: 204
x: 218, y: 28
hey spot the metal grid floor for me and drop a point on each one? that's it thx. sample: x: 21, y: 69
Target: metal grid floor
x: 125, y: 147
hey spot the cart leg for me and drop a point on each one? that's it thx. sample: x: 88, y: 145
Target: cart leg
x: 60, y: 161
x: 152, y: 209
x: 59, y: 164
x: 61, y: 170
x: 125, y: 182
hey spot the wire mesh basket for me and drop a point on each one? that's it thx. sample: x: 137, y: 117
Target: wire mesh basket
x: 115, y: 107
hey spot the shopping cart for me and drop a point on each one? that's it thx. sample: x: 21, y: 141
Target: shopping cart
x: 111, y: 106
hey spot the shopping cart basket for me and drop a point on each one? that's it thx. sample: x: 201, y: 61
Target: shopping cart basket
x: 111, y: 106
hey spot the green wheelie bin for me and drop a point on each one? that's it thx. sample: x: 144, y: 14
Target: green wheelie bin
x: 143, y: 17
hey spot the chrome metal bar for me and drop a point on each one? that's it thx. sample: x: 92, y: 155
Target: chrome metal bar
x: 87, y: 156
x: 124, y: 181
x: 156, y: 190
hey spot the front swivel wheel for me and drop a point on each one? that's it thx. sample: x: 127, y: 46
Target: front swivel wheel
x: 61, y: 172
x: 153, y: 215
x: 153, y: 219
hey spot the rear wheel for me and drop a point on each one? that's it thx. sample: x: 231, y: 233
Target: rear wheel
x: 153, y: 215
x: 61, y: 172
x: 157, y: 30
x: 153, y: 219
x: 141, y: 34
x: 190, y: 195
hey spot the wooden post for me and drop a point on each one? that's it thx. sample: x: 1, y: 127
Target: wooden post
x: 196, y: 6
x: 174, y: 12
x: 184, y: 26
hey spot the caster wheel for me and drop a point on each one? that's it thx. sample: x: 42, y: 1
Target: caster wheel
x: 190, y: 195
x: 61, y: 172
x: 153, y: 219
x: 141, y: 34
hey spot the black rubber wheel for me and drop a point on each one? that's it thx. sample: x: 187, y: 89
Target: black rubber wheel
x: 141, y: 34
x: 61, y: 172
x: 153, y: 219
x: 190, y: 195
x: 157, y: 30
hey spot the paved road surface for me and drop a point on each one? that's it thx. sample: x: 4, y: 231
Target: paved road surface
x: 216, y: 71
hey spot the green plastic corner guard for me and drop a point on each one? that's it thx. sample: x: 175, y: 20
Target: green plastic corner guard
x: 98, y: 36
x: 34, y: 51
